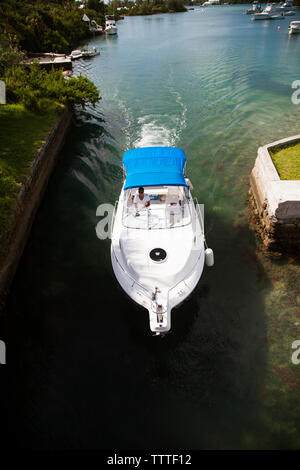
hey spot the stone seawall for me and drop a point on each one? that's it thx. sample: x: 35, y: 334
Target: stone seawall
x: 275, y: 203
x: 28, y: 201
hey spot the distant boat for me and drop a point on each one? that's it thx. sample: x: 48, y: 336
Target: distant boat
x: 211, y: 3
x: 76, y: 54
x: 110, y: 25
x: 256, y: 8
x: 271, y: 12
x: 286, y: 6
x: 86, y: 53
x: 294, y: 27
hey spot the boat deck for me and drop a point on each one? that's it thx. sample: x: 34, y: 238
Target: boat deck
x: 158, y: 216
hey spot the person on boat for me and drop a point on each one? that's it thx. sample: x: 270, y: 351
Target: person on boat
x: 141, y: 201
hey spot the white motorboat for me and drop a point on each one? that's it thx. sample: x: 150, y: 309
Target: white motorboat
x: 211, y: 3
x: 110, y: 25
x: 90, y: 52
x: 286, y: 7
x: 289, y: 13
x: 158, y: 250
x: 294, y: 27
x: 271, y: 12
x: 256, y: 8
x: 76, y: 54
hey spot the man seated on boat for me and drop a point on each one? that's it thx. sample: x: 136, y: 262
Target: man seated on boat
x: 141, y: 201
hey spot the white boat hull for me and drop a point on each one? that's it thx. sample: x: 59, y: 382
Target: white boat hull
x: 294, y: 30
x: 157, y: 233
x: 158, y: 285
x: 111, y: 30
x: 139, y: 294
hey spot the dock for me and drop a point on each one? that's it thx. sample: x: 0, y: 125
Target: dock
x: 49, y: 60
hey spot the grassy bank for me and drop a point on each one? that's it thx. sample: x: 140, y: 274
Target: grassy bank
x: 21, y: 133
x: 287, y: 161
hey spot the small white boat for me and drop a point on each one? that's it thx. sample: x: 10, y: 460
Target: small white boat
x: 294, y: 27
x: 286, y: 7
x: 271, y: 12
x: 86, y: 53
x: 76, y: 54
x: 289, y: 13
x: 158, y: 246
x: 110, y: 25
x: 256, y: 8
x: 211, y: 3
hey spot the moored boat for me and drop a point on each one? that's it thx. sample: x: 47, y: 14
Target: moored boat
x: 294, y: 27
x: 110, y: 25
x: 271, y: 12
x: 286, y: 7
x: 256, y: 8
x: 76, y: 54
x: 90, y: 52
x: 211, y: 3
x: 158, y: 247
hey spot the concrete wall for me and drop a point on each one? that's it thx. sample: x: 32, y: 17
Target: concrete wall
x: 275, y: 202
x: 28, y: 201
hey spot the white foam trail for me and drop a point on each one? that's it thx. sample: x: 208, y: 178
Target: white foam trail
x: 153, y: 134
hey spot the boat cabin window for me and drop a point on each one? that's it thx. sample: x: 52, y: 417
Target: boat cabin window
x: 169, y: 208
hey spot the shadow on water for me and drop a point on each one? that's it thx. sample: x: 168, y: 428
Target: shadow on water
x: 86, y: 373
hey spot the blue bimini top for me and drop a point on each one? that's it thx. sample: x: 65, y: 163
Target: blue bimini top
x: 154, y: 166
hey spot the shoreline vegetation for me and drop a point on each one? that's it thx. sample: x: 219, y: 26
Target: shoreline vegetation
x: 35, y: 98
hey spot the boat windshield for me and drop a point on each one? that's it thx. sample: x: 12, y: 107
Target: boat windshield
x: 169, y: 208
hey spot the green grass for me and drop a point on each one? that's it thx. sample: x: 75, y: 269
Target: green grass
x: 287, y: 161
x: 21, y: 134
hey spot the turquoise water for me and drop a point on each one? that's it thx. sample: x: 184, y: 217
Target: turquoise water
x: 88, y: 373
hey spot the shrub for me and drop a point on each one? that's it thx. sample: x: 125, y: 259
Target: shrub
x: 36, y: 88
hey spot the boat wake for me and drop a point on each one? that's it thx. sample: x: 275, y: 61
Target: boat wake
x: 162, y: 130
x: 153, y: 134
x: 152, y: 126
